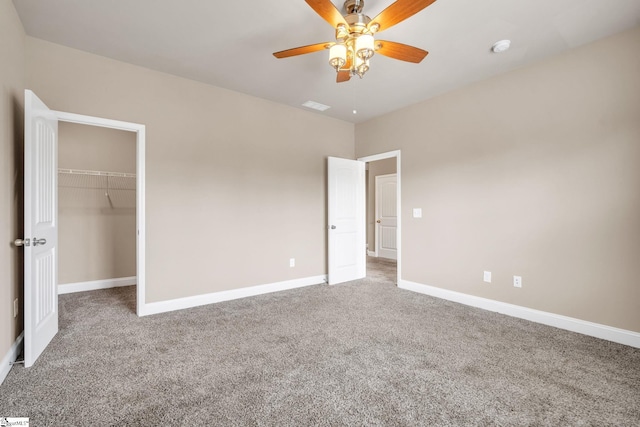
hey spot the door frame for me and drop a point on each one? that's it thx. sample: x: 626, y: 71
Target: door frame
x: 390, y: 155
x: 376, y: 210
x: 140, y: 191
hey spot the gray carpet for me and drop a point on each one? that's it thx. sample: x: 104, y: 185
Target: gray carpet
x: 361, y: 353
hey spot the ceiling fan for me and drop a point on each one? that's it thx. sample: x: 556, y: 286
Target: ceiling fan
x: 349, y: 55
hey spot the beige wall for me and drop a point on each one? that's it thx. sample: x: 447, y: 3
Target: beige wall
x: 534, y: 173
x: 12, y: 41
x: 96, y: 239
x: 96, y: 148
x: 377, y: 168
x: 236, y: 185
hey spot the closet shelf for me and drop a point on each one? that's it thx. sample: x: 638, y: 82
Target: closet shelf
x: 90, y: 179
x: 96, y: 173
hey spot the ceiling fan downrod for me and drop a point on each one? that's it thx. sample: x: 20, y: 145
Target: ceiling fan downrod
x: 353, y: 6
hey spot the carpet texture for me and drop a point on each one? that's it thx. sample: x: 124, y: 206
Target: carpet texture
x: 360, y: 353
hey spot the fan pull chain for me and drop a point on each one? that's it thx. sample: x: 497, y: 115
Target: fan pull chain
x: 355, y: 98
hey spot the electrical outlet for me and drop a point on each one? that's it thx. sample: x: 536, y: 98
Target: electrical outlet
x: 292, y: 262
x: 15, y: 307
x: 487, y: 276
x: 517, y: 281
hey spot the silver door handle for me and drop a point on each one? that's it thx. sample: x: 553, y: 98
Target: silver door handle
x: 37, y: 242
x: 21, y: 242
x: 333, y: 227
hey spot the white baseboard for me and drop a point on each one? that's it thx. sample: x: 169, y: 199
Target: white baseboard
x: 198, y: 300
x: 93, y: 285
x: 10, y: 357
x: 597, y: 330
x: 371, y: 253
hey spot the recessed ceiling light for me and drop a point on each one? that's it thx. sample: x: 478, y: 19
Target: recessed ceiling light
x: 500, y: 46
x: 315, y: 105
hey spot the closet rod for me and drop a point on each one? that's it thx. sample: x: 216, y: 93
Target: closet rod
x: 96, y: 173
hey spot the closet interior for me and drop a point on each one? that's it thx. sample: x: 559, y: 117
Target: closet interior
x: 96, y: 204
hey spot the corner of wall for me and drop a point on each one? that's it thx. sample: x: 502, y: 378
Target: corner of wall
x: 12, y: 75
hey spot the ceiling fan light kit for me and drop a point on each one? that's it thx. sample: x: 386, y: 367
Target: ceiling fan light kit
x: 355, y: 43
x: 337, y: 56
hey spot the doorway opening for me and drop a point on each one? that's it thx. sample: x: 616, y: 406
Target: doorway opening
x: 96, y: 208
x: 383, y: 209
x: 124, y: 181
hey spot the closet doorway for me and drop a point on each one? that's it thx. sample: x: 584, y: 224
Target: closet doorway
x: 96, y: 208
x: 139, y: 134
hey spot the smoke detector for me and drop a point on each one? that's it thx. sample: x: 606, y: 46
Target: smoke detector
x: 501, y: 46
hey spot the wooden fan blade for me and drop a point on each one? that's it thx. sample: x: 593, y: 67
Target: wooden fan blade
x: 343, y: 76
x: 398, y: 12
x: 400, y: 51
x: 328, y: 12
x: 302, y: 50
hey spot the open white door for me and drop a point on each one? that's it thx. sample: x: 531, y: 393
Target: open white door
x: 347, y: 234
x: 40, y: 227
x: 386, y: 216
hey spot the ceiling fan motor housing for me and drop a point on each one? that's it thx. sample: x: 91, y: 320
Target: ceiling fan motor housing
x: 357, y: 25
x: 357, y: 22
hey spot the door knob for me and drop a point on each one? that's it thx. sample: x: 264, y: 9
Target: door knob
x: 333, y: 227
x: 37, y: 242
x: 378, y: 221
x: 21, y: 242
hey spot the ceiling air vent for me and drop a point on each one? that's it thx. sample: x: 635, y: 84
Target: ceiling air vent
x: 315, y: 105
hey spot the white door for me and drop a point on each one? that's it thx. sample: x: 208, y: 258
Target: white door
x: 347, y: 233
x: 386, y: 216
x: 40, y: 227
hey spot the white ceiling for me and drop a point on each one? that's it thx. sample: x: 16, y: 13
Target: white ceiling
x: 230, y: 44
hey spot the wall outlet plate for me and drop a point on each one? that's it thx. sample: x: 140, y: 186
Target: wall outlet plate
x: 292, y: 262
x: 517, y: 281
x: 487, y: 276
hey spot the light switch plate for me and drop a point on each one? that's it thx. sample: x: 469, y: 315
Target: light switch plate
x: 417, y: 212
x: 487, y: 276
